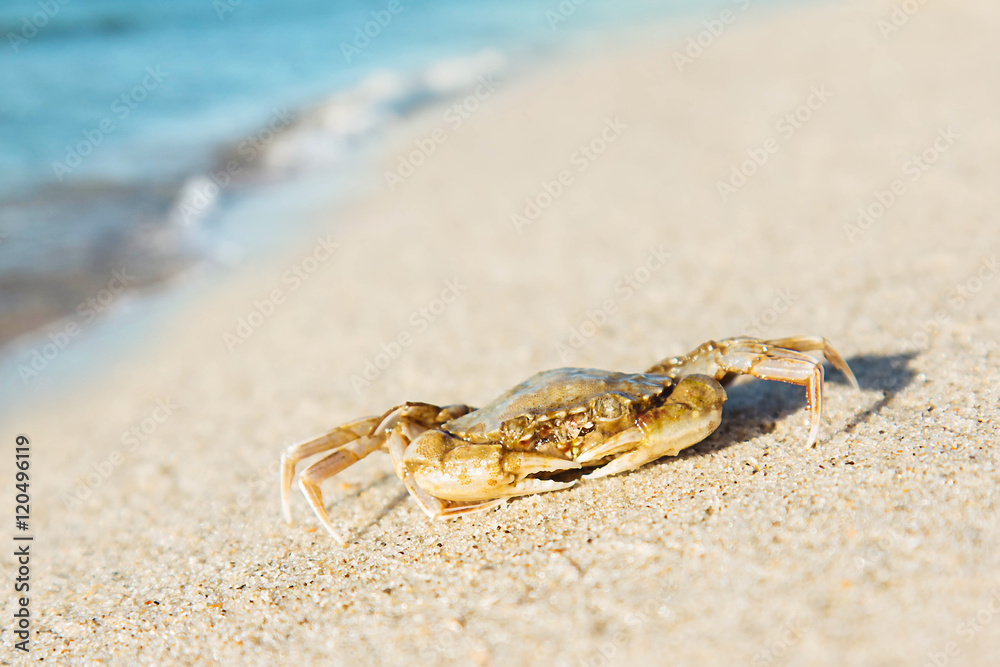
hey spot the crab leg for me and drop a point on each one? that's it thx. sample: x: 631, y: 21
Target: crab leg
x: 436, y: 508
x: 691, y: 413
x: 313, y: 477
x: 392, y: 431
x: 808, y: 343
x: 767, y: 360
x: 403, y: 433
x: 350, y: 444
x: 338, y: 437
x: 704, y: 359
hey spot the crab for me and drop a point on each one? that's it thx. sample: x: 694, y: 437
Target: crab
x: 556, y: 427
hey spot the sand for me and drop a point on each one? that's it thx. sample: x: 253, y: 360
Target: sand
x: 879, y: 546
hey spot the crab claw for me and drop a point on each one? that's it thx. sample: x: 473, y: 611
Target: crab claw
x: 690, y: 414
x: 781, y: 359
x: 449, y: 468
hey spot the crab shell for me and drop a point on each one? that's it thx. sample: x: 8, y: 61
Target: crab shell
x: 562, y: 412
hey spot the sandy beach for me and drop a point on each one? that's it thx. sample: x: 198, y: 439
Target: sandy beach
x: 827, y: 170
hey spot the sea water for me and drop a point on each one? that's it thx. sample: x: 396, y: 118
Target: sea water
x: 131, y: 130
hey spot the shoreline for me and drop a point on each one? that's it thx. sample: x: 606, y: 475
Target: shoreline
x: 179, y: 227
x: 26, y: 351
x: 28, y: 354
x: 748, y: 547
x: 184, y: 224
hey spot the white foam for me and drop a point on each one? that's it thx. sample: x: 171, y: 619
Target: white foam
x: 456, y: 75
x: 197, y: 197
x: 324, y: 136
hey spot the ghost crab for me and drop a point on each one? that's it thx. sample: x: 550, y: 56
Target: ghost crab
x: 457, y: 459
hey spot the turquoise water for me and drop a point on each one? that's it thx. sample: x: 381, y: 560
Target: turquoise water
x: 223, y: 65
x: 116, y: 114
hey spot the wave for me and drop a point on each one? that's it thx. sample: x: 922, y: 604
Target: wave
x: 158, y: 230
x: 323, y: 135
x: 331, y: 134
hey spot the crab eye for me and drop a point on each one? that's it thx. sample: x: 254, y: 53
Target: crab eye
x: 511, y: 430
x: 568, y: 430
x: 609, y: 407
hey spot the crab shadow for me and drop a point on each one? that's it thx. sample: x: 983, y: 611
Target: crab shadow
x: 375, y: 483
x: 385, y: 510
x: 754, y: 407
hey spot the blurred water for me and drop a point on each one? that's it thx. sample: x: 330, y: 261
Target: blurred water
x: 115, y: 113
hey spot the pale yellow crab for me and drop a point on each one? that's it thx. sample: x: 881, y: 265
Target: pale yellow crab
x: 532, y: 439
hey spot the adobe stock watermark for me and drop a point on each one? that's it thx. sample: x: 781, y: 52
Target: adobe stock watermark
x: 445, y: 638
x: 956, y: 299
x: 624, y: 289
x: 137, y: 435
x: 789, y: 635
x: 86, y: 312
x: 786, y: 127
x: 636, y: 621
x: 898, y: 16
x: 121, y: 108
x: 424, y: 147
x: 877, y: 551
x: 224, y: 7
x: 419, y: 321
x: 292, y: 278
x: 581, y: 159
x: 913, y: 169
x: 196, y: 201
x: 370, y: 30
x: 698, y: 43
x: 966, y: 631
x: 783, y: 301
x: 261, y: 482
x: 31, y: 25
x: 562, y: 12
